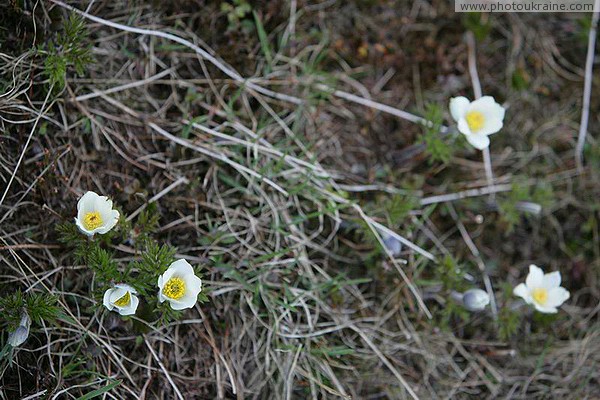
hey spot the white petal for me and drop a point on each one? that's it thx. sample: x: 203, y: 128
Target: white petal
x: 82, y: 228
x: 551, y: 280
x: 557, y: 296
x: 106, y: 300
x: 126, y: 287
x: 490, y: 126
x: 478, y: 141
x: 193, y: 286
x: 101, y: 203
x: 161, y: 285
x: 463, y: 127
x: 180, y: 268
x: 109, y: 223
x: 535, y: 278
x: 117, y: 293
x: 25, y: 321
x: 522, y: 291
x: 488, y: 106
x: 545, y: 309
x: 18, y: 336
x: 183, y: 303
x: 86, y: 203
x: 131, y: 308
x: 458, y: 107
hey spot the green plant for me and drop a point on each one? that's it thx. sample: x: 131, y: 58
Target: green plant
x: 478, y: 23
x: 437, y: 147
x: 509, y: 202
x: 509, y: 319
x: 38, y: 306
x: 237, y: 11
x: 67, y: 50
x: 450, y: 275
x: 141, y: 274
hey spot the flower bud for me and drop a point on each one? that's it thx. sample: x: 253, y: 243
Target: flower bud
x: 19, y: 335
x: 392, y: 244
x: 475, y: 299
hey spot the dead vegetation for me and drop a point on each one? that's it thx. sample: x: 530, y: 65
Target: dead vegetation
x: 239, y: 130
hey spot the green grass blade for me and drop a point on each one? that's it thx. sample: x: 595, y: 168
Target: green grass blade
x: 101, y: 391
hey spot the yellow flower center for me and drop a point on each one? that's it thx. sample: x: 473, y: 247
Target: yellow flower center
x: 92, y: 220
x: 174, y: 288
x: 123, y: 301
x: 540, y: 295
x: 475, y: 120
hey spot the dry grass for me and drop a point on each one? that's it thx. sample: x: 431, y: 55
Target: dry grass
x: 279, y: 186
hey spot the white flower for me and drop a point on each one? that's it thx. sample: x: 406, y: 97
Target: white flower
x: 121, y: 298
x: 478, y: 119
x: 179, y: 285
x: 19, y: 335
x: 542, y: 290
x: 95, y: 214
x: 475, y: 299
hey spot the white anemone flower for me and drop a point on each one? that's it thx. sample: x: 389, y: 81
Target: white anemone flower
x: 477, y: 119
x: 179, y: 285
x: 95, y: 214
x: 542, y: 290
x: 121, y: 298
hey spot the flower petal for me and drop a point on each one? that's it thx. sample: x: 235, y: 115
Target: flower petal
x: 82, y: 228
x: 110, y: 220
x: 161, y: 285
x: 488, y: 106
x: 551, y: 280
x: 478, y: 141
x: 102, y: 203
x: 126, y: 287
x: 18, y: 336
x: 106, y: 300
x: 557, y: 296
x: 86, y: 203
x: 180, y: 268
x: 183, y: 303
x: 522, y: 291
x: 490, y: 126
x: 545, y: 309
x: 117, y: 293
x: 458, y: 107
x: 131, y: 308
x: 463, y: 127
x: 535, y: 278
